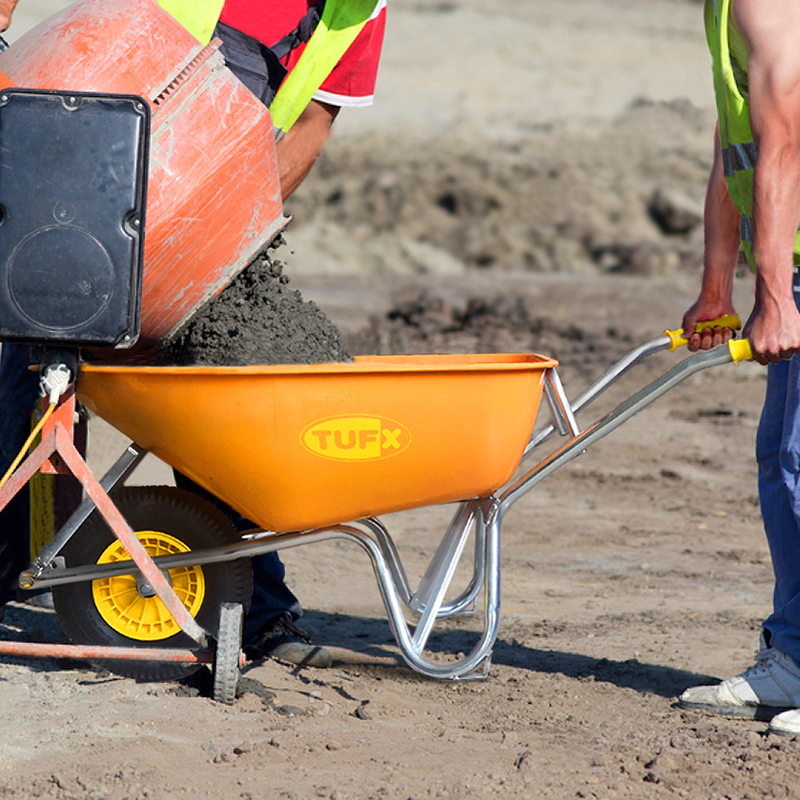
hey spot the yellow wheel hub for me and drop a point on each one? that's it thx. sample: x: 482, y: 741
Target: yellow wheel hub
x: 146, y: 618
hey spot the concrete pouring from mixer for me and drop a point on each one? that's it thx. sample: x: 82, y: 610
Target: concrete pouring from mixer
x: 257, y: 319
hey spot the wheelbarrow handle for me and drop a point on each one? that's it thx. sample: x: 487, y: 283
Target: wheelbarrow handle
x: 737, y: 350
x: 740, y: 350
x: 731, y: 321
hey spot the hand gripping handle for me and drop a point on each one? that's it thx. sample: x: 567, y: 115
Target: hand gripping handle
x: 731, y: 321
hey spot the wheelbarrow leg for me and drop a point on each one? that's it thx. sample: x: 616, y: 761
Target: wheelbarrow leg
x: 476, y: 663
x: 465, y: 603
x: 228, y: 656
x: 428, y: 598
x: 449, y: 552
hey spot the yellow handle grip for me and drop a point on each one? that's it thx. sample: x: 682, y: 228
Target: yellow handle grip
x: 740, y: 350
x: 731, y: 321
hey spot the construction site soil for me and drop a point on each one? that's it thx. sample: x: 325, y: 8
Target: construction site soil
x: 537, y: 190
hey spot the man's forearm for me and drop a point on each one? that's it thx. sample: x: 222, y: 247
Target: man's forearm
x: 303, y: 143
x: 776, y: 211
x: 6, y: 10
x: 774, y: 327
x: 721, y: 227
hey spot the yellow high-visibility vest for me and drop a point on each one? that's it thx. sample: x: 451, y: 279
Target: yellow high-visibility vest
x: 739, y: 151
x: 341, y: 22
x: 199, y: 17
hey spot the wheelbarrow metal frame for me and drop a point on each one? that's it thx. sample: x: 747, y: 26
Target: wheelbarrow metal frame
x: 481, y: 517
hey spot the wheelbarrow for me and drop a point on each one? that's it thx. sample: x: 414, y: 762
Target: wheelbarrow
x: 312, y: 453
x: 143, y: 576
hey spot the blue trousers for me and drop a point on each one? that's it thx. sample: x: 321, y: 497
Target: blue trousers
x: 19, y: 394
x: 778, y: 456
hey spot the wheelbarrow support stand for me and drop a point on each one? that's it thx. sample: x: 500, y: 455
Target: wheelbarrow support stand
x: 57, y: 440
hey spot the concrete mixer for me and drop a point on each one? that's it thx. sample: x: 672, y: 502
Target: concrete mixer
x: 213, y: 194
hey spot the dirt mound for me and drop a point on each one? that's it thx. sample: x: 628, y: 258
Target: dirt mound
x: 617, y: 196
x: 504, y: 323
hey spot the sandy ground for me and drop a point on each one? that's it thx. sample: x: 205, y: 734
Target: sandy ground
x: 529, y: 179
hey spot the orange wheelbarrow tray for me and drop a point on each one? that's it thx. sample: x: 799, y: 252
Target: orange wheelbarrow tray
x: 303, y: 450
x: 304, y: 446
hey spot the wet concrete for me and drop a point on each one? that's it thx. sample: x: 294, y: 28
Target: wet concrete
x: 258, y: 319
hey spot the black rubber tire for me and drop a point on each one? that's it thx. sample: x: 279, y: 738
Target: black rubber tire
x: 179, y: 514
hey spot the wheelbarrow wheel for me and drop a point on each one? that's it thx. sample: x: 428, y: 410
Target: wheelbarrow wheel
x: 112, y: 612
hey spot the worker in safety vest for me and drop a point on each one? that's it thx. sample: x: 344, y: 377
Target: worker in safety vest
x: 753, y: 205
x: 305, y: 59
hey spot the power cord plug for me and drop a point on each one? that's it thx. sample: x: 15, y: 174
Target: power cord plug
x: 55, y: 380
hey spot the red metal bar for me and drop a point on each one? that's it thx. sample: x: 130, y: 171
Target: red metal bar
x: 94, y: 653
x: 57, y: 438
x: 64, y: 413
x: 28, y: 468
x: 62, y: 416
x: 127, y: 537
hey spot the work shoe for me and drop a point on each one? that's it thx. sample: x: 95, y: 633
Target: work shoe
x: 283, y: 640
x: 770, y: 686
x: 40, y: 599
x: 786, y: 724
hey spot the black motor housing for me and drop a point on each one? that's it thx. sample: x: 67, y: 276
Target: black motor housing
x: 73, y: 171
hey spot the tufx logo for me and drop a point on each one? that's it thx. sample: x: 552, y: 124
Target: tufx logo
x: 356, y: 437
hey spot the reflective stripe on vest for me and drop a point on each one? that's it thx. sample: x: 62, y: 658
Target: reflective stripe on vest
x: 736, y: 138
x: 746, y: 228
x: 739, y: 157
x: 199, y: 17
x: 341, y: 22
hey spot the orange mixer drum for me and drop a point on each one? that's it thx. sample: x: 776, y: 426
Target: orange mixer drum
x: 213, y: 197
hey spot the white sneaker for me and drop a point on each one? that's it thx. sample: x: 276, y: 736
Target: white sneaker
x: 770, y: 686
x: 786, y: 724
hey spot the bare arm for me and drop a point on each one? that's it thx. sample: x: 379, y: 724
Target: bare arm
x: 721, y: 225
x: 6, y: 10
x: 771, y: 32
x: 302, y: 144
